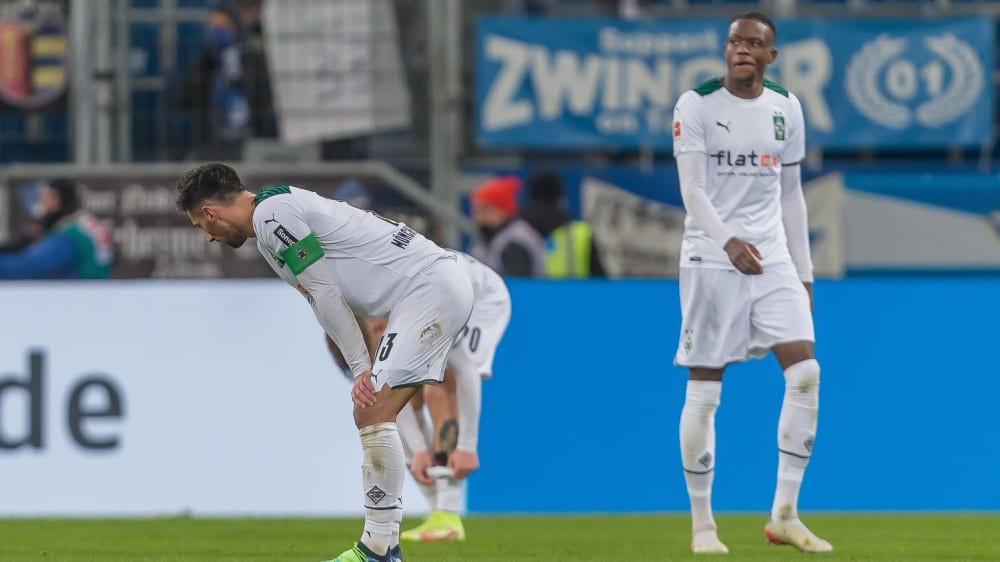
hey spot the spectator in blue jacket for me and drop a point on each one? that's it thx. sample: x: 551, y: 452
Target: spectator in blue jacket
x: 73, y: 243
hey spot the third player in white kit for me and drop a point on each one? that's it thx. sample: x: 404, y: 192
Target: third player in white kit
x: 470, y: 362
x: 746, y: 271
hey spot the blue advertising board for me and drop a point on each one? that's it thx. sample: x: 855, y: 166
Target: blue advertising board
x: 592, y: 83
x: 582, y: 412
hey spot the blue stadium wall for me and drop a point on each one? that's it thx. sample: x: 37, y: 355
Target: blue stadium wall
x: 582, y: 413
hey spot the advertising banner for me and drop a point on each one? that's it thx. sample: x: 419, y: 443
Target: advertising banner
x: 155, y: 397
x: 593, y: 83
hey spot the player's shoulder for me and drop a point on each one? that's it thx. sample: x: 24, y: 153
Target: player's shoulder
x: 688, y: 101
x: 275, y: 201
x: 694, y: 99
x: 706, y: 88
x: 781, y: 93
x: 776, y: 88
x: 271, y: 193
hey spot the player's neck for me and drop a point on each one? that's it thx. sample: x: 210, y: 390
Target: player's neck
x: 246, y: 208
x: 748, y: 88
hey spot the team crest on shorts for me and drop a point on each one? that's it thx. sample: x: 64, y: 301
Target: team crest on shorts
x: 779, y: 127
x: 688, y: 341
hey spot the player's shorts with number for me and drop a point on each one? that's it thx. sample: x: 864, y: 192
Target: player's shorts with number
x: 478, y: 341
x: 423, y: 326
x: 730, y: 317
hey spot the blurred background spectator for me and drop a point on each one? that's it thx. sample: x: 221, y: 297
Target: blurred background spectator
x: 509, y: 244
x: 71, y: 243
x: 227, y: 90
x: 570, y: 249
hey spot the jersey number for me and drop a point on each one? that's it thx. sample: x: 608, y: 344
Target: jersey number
x: 387, y: 340
x: 474, y: 335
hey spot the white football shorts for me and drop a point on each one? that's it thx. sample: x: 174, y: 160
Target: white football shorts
x: 728, y: 317
x: 478, y: 341
x: 422, y: 328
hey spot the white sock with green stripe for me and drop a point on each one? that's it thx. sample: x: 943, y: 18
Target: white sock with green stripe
x: 697, y: 430
x: 383, y: 470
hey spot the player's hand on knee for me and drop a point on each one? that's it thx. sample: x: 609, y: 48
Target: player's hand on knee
x: 463, y: 463
x: 419, y: 464
x: 363, y: 392
x: 744, y: 256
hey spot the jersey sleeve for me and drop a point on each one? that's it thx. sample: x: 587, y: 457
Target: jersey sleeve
x: 280, y: 224
x: 795, y: 145
x: 281, y: 227
x: 688, y: 131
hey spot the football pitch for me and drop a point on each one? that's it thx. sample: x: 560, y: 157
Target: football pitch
x: 855, y: 537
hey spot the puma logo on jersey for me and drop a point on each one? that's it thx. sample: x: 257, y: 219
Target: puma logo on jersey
x: 724, y: 126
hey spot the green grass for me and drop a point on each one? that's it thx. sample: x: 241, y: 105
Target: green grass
x: 495, y: 539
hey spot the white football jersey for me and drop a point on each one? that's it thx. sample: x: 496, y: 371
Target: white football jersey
x: 747, y: 142
x: 487, y: 285
x: 370, y: 258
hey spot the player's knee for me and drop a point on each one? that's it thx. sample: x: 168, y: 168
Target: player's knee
x: 371, y: 415
x: 803, y: 377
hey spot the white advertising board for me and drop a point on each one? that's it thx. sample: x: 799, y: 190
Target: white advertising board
x: 166, y: 397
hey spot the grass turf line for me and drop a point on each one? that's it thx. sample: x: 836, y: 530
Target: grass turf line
x: 856, y: 537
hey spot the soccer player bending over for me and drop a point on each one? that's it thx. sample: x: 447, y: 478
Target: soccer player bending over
x: 346, y: 261
x: 746, y: 270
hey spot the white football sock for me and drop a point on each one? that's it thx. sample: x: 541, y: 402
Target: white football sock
x: 382, y: 471
x: 698, y: 449
x: 449, y: 495
x: 416, y: 437
x: 796, y: 432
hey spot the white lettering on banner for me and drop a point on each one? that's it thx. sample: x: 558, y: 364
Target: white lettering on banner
x: 881, y: 83
x: 568, y: 77
x: 205, y: 427
x: 655, y: 85
x: 500, y: 109
x: 806, y: 67
x: 612, y: 40
x: 565, y: 82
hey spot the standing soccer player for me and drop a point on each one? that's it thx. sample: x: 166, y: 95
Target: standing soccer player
x: 746, y: 270
x: 346, y: 261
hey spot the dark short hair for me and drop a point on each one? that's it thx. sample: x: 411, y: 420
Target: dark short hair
x: 757, y: 16
x: 69, y: 199
x: 208, y: 182
x: 545, y: 186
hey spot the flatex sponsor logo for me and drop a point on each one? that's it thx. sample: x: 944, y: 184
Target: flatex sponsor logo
x: 26, y: 423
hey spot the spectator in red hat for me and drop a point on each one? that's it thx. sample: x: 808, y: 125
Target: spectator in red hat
x: 508, y: 244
